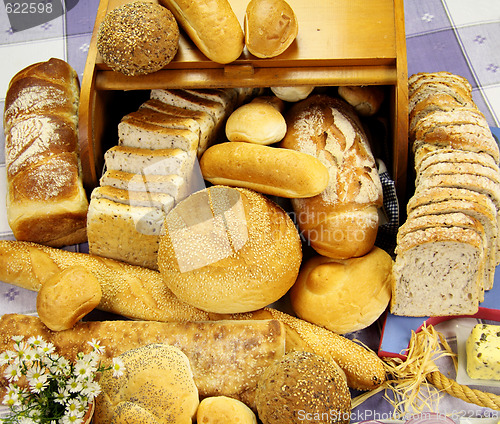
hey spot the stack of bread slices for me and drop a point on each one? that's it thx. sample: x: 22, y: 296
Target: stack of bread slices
x: 152, y: 168
x: 448, y: 249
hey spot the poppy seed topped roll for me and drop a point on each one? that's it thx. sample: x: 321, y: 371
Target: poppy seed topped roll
x: 138, y: 38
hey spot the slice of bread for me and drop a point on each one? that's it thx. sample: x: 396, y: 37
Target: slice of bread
x: 149, y: 161
x: 123, y: 232
x: 138, y: 133
x: 162, y: 201
x: 174, y: 185
x: 437, y: 273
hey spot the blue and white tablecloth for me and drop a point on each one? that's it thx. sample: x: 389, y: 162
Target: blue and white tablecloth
x: 458, y: 36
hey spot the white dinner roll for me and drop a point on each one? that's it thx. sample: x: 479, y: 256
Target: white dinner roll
x: 229, y: 250
x: 224, y: 410
x: 343, y: 295
x: 270, y: 27
x: 293, y: 94
x: 256, y: 122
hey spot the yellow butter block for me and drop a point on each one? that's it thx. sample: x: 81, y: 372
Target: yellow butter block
x: 483, y: 352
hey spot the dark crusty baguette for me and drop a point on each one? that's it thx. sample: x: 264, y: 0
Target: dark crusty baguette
x: 46, y: 202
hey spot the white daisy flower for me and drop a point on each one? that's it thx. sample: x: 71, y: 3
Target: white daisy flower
x: 96, y: 346
x: 12, y: 397
x: 73, y: 385
x: 12, y: 372
x: 118, y: 367
x: 6, y: 357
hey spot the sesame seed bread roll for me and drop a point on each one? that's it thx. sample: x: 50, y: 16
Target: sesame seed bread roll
x: 211, y: 25
x: 46, y: 201
x: 268, y: 170
x: 229, y: 250
x: 138, y: 38
x: 342, y: 221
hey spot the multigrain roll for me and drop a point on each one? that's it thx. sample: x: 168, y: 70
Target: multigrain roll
x: 342, y: 221
x: 303, y: 387
x: 138, y: 38
x: 270, y: 27
x: 229, y: 250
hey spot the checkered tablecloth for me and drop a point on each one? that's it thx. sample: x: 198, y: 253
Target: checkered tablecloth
x: 458, y: 36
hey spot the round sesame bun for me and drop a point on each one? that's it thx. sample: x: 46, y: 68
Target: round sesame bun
x: 270, y: 27
x: 223, y: 409
x: 303, y: 387
x: 157, y: 386
x: 343, y: 295
x: 138, y: 38
x: 229, y: 250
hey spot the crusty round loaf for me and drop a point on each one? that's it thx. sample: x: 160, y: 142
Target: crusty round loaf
x: 224, y: 410
x: 303, y: 387
x: 256, y: 122
x: 229, y: 250
x: 342, y: 221
x: 67, y: 296
x: 138, y: 38
x: 270, y: 27
x: 156, y: 387
x: 343, y: 295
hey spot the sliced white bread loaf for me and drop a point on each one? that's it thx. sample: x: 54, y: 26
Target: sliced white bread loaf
x: 150, y: 161
x: 226, y: 96
x: 174, y: 185
x: 123, y: 232
x: 137, y: 133
x: 437, y: 272
x: 162, y: 201
x: 204, y: 120
x: 163, y: 120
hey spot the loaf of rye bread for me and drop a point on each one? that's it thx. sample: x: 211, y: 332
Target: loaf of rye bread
x: 46, y: 202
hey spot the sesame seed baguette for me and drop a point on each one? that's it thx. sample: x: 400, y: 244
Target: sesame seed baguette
x: 363, y: 369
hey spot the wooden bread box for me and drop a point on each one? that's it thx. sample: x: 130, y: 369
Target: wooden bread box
x: 340, y: 42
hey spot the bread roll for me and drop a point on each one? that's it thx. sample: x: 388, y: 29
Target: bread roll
x: 293, y: 93
x: 270, y: 27
x: 366, y: 99
x: 67, y: 297
x: 229, y: 250
x: 138, y: 38
x: 343, y: 295
x: 342, y: 221
x: 256, y: 122
x: 303, y: 387
x: 46, y: 201
x: 158, y: 381
x: 269, y: 170
x: 224, y: 410
x: 212, y: 26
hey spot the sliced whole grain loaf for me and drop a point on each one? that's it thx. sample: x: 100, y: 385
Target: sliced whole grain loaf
x: 455, y: 156
x: 446, y: 168
x: 424, y: 78
x: 437, y: 272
